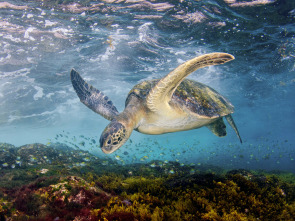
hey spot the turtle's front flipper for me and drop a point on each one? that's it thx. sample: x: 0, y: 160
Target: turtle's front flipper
x: 159, y: 97
x: 231, y: 122
x: 93, y: 98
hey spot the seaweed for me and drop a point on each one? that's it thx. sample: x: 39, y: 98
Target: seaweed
x: 147, y: 193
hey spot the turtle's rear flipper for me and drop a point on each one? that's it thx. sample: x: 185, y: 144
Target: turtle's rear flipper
x: 218, y: 128
x: 231, y: 122
x: 93, y: 98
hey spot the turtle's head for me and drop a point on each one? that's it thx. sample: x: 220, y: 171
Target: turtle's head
x: 113, y: 137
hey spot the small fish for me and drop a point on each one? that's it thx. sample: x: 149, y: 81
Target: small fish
x: 87, y: 159
x: 104, y: 162
x: 117, y: 157
x: 82, y: 164
x: 153, y: 165
x: 43, y: 171
x: 192, y: 171
x: 266, y: 157
x: 171, y: 171
x: 5, y: 164
x: 33, y: 159
x: 13, y: 166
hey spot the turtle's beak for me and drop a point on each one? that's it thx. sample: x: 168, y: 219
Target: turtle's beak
x: 108, y: 150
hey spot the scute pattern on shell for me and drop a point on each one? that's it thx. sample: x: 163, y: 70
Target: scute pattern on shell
x: 141, y: 90
x: 201, y: 99
x: 195, y: 96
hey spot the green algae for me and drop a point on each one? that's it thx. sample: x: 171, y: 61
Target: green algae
x: 62, y: 189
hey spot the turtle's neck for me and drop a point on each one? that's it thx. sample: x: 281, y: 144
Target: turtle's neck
x: 131, y: 114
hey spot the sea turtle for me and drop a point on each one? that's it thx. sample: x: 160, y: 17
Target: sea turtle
x: 159, y: 106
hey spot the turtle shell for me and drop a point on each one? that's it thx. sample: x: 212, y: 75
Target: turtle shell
x: 197, y: 97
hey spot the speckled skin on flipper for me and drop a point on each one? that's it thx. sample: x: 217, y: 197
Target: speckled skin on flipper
x: 93, y: 98
x: 159, y: 106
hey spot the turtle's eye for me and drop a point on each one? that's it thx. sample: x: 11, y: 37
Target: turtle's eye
x: 112, y: 137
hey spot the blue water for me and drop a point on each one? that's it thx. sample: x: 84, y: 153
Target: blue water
x: 116, y: 44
